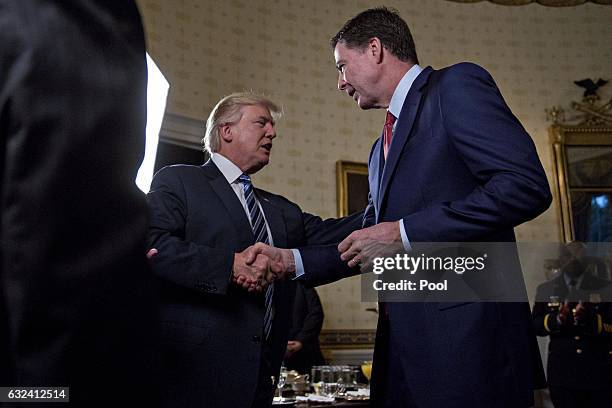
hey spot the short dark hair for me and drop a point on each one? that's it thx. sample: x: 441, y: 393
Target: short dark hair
x: 382, y: 23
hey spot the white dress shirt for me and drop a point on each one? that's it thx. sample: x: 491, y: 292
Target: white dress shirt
x: 231, y: 172
x: 395, y: 107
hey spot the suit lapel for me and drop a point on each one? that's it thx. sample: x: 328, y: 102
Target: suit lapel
x: 403, y: 131
x: 275, y: 219
x: 374, y: 172
x: 232, y: 204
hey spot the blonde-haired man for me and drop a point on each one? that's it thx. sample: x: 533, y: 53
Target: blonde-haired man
x: 220, y: 327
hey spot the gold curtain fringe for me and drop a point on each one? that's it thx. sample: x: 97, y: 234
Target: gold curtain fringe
x: 548, y: 3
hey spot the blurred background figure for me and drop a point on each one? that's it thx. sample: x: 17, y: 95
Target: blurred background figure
x: 576, y: 259
x: 77, y: 300
x: 303, y: 349
x: 574, y: 310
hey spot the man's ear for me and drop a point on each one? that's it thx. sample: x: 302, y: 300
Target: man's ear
x: 375, y: 49
x: 226, y: 132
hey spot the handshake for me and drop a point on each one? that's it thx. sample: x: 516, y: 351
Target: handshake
x: 257, y: 266
x: 260, y: 264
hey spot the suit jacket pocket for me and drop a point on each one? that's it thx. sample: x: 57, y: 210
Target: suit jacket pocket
x: 451, y: 305
x: 177, y: 332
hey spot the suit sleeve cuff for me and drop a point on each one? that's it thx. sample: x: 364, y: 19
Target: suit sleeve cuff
x: 405, y: 239
x: 299, y: 265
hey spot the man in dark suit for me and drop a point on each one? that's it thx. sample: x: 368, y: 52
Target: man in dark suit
x: 453, y: 164
x: 574, y: 309
x: 303, y: 349
x: 222, y: 343
x: 77, y: 299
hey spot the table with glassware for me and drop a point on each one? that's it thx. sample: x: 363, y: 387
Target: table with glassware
x: 325, y: 386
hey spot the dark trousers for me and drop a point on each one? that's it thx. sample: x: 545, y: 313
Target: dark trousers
x: 265, y: 387
x: 563, y: 397
x: 397, y: 393
x: 389, y: 385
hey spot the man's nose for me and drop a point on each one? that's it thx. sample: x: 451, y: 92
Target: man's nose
x: 341, y: 82
x: 271, y: 132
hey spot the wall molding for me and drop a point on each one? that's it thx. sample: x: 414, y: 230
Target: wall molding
x: 182, y: 131
x: 348, y: 338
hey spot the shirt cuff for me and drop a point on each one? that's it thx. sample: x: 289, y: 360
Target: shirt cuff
x: 299, y: 265
x: 405, y: 239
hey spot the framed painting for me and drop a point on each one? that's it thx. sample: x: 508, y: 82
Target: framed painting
x: 583, y: 181
x: 352, y: 187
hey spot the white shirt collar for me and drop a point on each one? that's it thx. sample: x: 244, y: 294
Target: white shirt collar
x: 230, y: 171
x: 401, y: 91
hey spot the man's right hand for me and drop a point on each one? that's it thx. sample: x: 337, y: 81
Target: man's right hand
x: 254, y: 275
x: 281, y: 260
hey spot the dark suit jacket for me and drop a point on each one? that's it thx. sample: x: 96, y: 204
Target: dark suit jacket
x: 211, y: 329
x: 460, y: 168
x: 77, y: 299
x: 579, y: 356
x: 305, y: 327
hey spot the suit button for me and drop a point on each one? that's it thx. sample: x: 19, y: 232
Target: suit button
x: 577, y: 338
x: 256, y: 339
x: 579, y: 351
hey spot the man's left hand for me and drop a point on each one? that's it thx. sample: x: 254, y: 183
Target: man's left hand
x: 353, y: 246
x: 293, y: 346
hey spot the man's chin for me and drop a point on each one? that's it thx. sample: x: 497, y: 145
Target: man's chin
x: 259, y: 166
x: 364, y: 105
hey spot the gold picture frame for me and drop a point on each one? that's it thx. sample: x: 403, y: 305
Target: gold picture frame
x: 582, y: 169
x: 352, y: 187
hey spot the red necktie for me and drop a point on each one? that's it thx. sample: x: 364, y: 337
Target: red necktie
x: 388, y: 132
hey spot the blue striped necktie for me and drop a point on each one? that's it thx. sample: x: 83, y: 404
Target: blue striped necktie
x: 260, y: 232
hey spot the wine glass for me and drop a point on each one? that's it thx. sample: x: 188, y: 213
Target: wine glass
x: 282, y: 378
x: 366, y: 369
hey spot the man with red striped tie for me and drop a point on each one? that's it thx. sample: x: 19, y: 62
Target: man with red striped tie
x: 453, y: 164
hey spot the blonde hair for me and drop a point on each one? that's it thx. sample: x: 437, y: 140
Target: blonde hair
x: 227, y: 111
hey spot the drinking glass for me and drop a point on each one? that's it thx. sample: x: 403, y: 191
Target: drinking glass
x: 282, y: 378
x: 366, y: 369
